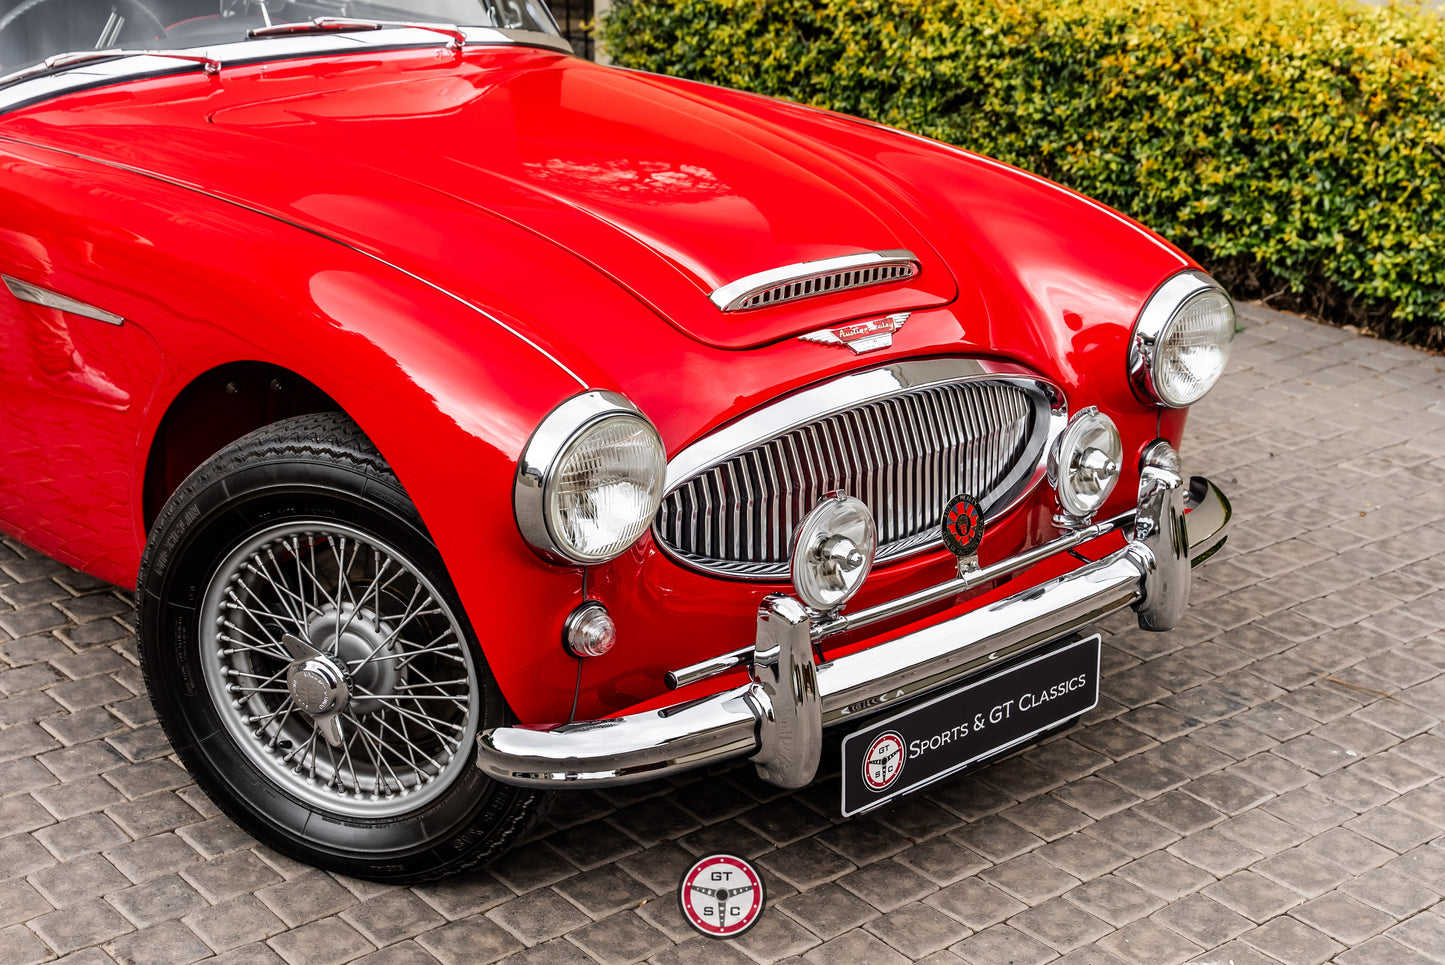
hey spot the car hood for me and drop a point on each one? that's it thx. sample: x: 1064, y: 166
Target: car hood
x: 520, y: 181
x: 669, y: 194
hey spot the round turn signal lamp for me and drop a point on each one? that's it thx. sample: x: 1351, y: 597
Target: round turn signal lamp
x: 589, y: 631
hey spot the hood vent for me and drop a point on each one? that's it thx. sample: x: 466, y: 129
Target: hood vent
x: 809, y: 278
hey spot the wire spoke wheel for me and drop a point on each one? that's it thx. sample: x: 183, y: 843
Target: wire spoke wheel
x: 338, y: 669
x: 308, y: 656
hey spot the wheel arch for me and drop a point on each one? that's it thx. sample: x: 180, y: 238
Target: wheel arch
x: 212, y: 411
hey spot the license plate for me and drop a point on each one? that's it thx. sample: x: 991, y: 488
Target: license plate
x: 929, y: 742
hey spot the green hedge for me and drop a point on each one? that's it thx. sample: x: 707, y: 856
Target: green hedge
x: 1295, y: 147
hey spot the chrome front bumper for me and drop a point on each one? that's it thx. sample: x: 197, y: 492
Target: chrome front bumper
x: 779, y: 715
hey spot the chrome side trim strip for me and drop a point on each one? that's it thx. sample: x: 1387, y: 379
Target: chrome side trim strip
x: 26, y: 292
x: 807, y: 279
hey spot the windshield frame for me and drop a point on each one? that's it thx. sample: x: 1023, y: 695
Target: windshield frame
x: 37, y: 83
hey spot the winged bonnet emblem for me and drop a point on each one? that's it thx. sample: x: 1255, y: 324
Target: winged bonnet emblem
x: 861, y: 337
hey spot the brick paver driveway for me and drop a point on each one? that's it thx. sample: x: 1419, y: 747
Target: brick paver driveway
x: 1264, y: 783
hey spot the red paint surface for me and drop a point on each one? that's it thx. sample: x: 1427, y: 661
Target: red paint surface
x: 448, y: 247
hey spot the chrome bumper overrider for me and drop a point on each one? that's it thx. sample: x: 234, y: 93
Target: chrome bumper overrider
x: 778, y: 716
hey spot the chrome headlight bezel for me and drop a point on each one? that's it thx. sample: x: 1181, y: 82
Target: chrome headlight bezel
x: 544, y: 456
x: 1153, y: 327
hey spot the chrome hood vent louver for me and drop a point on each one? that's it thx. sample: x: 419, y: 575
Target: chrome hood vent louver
x: 903, y: 438
x: 809, y: 278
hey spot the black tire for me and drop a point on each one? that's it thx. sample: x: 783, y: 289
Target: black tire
x: 322, y: 470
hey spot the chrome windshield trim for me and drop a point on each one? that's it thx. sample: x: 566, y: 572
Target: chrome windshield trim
x: 456, y: 36
x: 76, y: 57
x: 733, y: 296
x: 35, y: 295
x: 27, y: 86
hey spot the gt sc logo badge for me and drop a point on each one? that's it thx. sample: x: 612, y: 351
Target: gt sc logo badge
x: 721, y: 896
x: 860, y: 336
x: 883, y: 763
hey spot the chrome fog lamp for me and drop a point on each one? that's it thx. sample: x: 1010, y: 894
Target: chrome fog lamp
x: 1181, y: 342
x: 833, y: 552
x: 1084, y: 464
x: 590, y: 479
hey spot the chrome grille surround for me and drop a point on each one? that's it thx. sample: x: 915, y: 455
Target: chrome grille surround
x: 903, y: 438
x: 811, y: 278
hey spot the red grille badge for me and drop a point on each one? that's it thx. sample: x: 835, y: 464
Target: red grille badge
x: 963, y: 529
x: 861, y: 337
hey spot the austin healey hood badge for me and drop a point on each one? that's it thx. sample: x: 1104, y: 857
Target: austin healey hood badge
x: 860, y: 336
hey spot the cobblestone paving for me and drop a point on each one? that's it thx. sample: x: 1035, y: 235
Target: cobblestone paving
x: 1262, y: 784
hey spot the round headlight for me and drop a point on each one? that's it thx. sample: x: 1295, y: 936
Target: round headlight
x: 1084, y: 463
x: 590, y: 480
x: 833, y: 552
x: 1181, y: 341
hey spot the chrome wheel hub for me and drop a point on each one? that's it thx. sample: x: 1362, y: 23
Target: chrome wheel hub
x: 318, y: 686
x: 357, y: 636
x: 339, y: 669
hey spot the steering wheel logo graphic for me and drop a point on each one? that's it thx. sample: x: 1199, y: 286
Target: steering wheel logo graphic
x: 883, y: 762
x: 721, y: 896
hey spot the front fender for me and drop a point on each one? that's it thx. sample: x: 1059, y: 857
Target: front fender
x: 448, y: 392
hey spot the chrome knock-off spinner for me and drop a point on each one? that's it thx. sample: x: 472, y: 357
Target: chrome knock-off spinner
x: 319, y: 687
x: 364, y: 645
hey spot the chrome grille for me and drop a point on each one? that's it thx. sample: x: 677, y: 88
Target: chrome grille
x: 904, y: 455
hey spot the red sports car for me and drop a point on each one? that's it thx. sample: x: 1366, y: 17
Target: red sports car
x: 475, y: 421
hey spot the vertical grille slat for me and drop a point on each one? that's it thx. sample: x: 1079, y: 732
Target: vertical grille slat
x: 903, y: 455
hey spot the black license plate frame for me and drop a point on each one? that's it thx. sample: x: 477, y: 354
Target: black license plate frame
x: 984, y: 717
